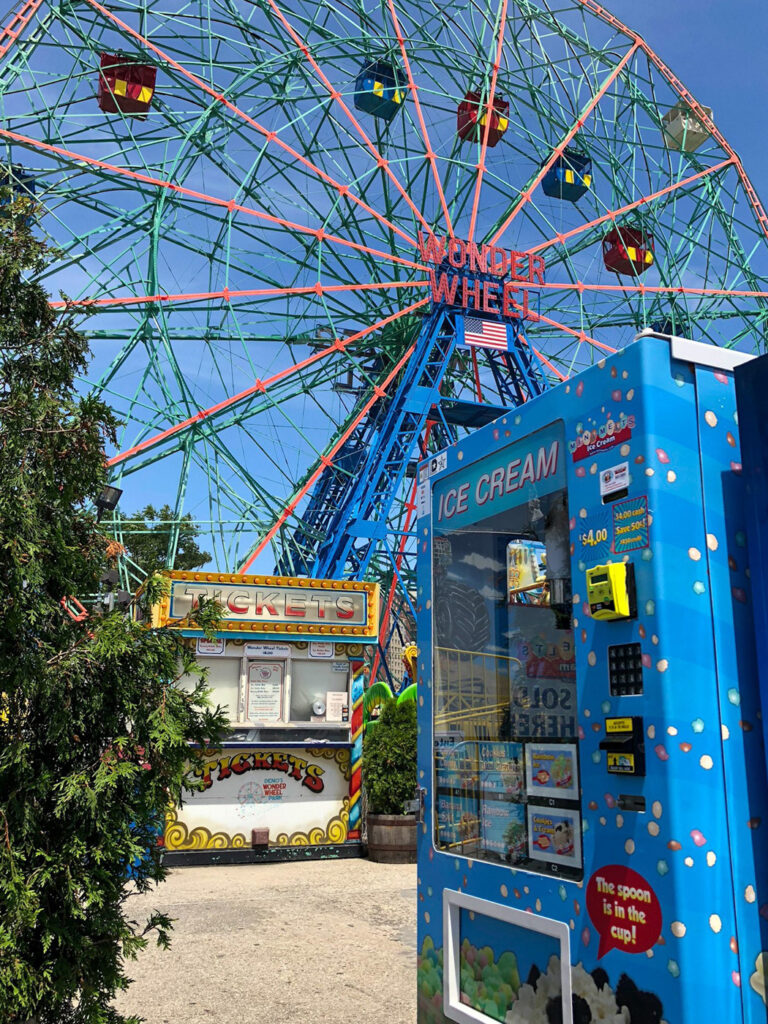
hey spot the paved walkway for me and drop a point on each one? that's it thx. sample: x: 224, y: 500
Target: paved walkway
x: 322, y: 942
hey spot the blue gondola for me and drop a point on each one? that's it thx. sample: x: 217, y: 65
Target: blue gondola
x: 21, y: 183
x: 378, y: 90
x: 569, y: 177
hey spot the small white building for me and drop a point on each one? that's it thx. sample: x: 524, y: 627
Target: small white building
x: 287, y: 662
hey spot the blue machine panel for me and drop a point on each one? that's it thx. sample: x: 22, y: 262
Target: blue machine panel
x: 751, y: 391
x: 605, y: 775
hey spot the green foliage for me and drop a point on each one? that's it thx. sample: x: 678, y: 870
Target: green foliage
x: 389, y: 758
x: 409, y: 693
x: 147, y: 534
x: 93, y: 722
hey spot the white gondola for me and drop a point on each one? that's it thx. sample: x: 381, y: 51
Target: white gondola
x: 682, y: 129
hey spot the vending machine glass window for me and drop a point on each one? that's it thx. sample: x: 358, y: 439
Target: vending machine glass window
x: 505, y: 715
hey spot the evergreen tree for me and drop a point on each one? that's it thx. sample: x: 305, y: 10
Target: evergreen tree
x: 93, y: 722
x: 146, y: 534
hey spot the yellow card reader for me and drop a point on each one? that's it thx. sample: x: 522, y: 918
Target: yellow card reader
x: 624, y: 746
x: 611, y: 591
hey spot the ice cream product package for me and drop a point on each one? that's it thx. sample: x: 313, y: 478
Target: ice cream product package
x: 552, y: 770
x: 554, y: 835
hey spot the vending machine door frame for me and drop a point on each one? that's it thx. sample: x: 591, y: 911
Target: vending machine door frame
x: 454, y: 902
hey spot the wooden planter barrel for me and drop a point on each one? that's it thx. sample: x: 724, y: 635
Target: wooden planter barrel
x: 392, y: 838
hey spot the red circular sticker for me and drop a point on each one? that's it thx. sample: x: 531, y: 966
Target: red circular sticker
x: 624, y: 909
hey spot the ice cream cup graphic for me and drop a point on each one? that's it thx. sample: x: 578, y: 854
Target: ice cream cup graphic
x: 562, y: 840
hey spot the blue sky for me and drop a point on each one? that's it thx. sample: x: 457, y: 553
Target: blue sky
x: 717, y: 48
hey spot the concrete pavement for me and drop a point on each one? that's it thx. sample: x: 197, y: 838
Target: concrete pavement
x: 321, y: 942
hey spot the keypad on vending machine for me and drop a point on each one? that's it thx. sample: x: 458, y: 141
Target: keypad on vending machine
x: 625, y: 670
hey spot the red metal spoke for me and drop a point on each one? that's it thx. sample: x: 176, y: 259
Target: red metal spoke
x: 476, y: 372
x: 613, y: 214
x: 19, y: 21
x: 230, y: 294
x: 261, y: 386
x: 552, y: 367
x: 525, y: 196
x: 695, y: 106
x: 581, y: 335
x: 543, y: 358
x: 327, y: 459
x: 414, y: 90
x: 229, y: 204
x: 656, y: 289
x: 486, y: 133
x: 381, y: 161
x: 271, y: 137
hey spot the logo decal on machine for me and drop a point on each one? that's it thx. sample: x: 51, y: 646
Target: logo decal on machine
x: 607, y: 435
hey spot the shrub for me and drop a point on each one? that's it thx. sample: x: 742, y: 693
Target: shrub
x: 389, y: 759
x: 93, y: 720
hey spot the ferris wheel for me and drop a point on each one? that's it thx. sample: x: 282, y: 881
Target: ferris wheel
x: 253, y: 199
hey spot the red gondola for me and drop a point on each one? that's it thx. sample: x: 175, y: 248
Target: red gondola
x: 124, y: 86
x: 471, y: 128
x: 628, y: 250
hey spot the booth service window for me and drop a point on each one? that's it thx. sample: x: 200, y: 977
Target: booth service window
x: 505, y: 717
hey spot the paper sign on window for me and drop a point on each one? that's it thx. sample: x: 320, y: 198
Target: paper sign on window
x: 336, y: 704
x: 265, y: 691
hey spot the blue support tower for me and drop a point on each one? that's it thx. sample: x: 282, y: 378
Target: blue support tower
x: 363, y: 519
x: 347, y: 523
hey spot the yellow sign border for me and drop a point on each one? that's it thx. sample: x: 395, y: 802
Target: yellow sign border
x: 161, y: 611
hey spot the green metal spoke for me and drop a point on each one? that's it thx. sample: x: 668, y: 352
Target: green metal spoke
x: 163, y: 362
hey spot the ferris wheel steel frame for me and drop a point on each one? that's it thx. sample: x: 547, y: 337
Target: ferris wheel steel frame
x: 364, y: 517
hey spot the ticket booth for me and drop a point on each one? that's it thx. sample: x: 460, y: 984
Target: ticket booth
x: 594, y: 783
x: 287, y: 663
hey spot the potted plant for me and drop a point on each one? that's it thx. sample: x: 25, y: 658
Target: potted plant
x: 389, y: 777
x: 377, y: 695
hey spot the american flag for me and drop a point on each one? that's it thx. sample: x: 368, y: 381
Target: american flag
x: 485, y: 333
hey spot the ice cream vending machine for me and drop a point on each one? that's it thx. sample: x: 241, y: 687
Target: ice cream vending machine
x: 591, y: 751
